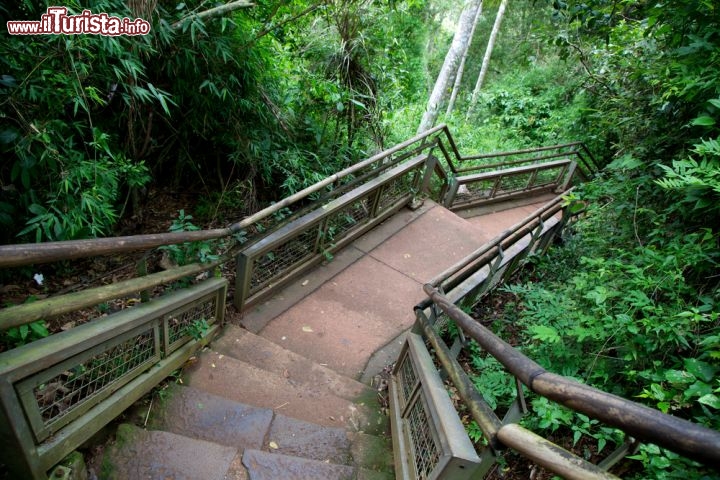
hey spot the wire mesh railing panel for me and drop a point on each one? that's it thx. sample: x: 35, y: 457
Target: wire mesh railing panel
x: 426, y: 453
x: 345, y: 220
x: 514, y: 183
x: 407, y: 379
x: 548, y: 176
x: 284, y: 257
x: 189, y: 322
x: 396, y: 189
x: 81, y: 381
x: 477, y: 190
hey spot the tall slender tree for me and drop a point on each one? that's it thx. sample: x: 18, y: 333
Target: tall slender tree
x: 461, y: 68
x: 445, y: 78
x: 488, y: 54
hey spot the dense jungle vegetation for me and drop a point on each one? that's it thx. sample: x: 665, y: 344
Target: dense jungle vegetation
x: 245, y: 108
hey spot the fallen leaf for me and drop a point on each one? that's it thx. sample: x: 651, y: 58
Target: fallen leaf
x: 273, y: 445
x: 304, y: 283
x: 286, y: 374
x: 307, y: 329
x: 67, y: 326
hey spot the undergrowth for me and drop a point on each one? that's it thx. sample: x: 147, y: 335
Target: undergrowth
x: 629, y: 305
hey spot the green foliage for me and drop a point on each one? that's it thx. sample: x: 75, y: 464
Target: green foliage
x: 474, y: 432
x: 24, y: 334
x: 185, y: 253
x: 497, y: 387
x: 697, y: 180
x: 198, y: 329
x: 649, y: 70
x: 630, y: 306
x: 270, y: 98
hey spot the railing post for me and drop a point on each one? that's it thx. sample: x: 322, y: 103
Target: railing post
x: 568, y: 176
x: 243, y: 277
x: 452, y: 191
x: 430, y: 165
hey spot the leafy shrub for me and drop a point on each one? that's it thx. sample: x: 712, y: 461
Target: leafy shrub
x: 634, y: 311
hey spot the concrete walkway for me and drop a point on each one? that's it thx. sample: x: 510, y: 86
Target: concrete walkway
x: 287, y: 403
x: 350, y: 313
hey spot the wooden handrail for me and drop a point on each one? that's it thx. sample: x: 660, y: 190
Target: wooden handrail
x: 34, y: 253
x: 647, y: 424
x: 29, y: 254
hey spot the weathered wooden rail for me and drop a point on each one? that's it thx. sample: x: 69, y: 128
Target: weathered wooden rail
x: 51, y: 399
x: 465, y: 283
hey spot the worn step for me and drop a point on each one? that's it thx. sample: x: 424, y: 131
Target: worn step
x: 365, y: 474
x: 289, y: 436
x: 239, y: 381
x: 372, y: 452
x: 197, y: 414
x: 256, y: 350
x: 273, y: 466
x: 141, y: 454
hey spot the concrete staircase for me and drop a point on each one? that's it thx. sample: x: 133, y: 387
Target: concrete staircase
x: 249, y: 409
x: 287, y: 396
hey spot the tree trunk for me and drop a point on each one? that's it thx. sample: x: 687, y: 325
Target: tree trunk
x: 488, y: 53
x: 447, y: 73
x: 461, y: 68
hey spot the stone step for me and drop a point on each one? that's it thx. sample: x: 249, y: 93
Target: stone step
x: 141, y: 454
x: 297, y: 438
x: 186, y: 411
x: 256, y: 350
x: 197, y: 414
x: 242, y: 382
x: 273, y: 466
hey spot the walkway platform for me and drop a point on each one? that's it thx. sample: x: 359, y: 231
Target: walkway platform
x: 350, y: 313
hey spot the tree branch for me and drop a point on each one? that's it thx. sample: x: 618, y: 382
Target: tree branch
x: 291, y: 19
x: 214, y: 12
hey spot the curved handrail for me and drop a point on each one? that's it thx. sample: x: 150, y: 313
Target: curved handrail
x: 34, y: 253
x: 645, y: 423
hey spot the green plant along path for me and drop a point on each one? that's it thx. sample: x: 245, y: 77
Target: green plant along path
x: 244, y: 109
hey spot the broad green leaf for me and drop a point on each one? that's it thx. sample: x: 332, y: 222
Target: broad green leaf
x: 702, y: 370
x: 697, y: 389
x: 703, y: 121
x: 39, y: 329
x: 710, y: 400
x: 679, y: 377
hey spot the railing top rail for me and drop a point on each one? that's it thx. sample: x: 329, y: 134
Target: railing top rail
x: 521, y: 152
x: 545, y: 212
x: 514, y: 170
x: 647, y: 424
x: 33, y: 253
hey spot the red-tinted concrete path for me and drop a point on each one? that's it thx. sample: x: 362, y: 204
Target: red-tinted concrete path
x: 347, y: 310
x: 287, y: 404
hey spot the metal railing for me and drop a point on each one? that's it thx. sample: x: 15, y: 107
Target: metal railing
x: 269, y: 247
x: 57, y: 392
x: 471, y: 279
x: 302, y: 243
